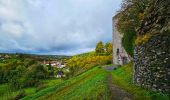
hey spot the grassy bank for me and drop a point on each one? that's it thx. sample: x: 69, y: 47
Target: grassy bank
x: 122, y: 77
x: 6, y: 93
x: 89, y: 85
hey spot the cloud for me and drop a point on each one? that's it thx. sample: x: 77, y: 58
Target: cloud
x: 55, y: 26
x: 13, y: 29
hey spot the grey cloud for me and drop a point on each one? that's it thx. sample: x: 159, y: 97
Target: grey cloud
x: 55, y: 26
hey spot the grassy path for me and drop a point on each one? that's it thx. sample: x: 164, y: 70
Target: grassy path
x: 117, y: 93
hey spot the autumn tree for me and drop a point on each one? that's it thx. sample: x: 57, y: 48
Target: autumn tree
x: 108, y: 48
x: 100, y: 48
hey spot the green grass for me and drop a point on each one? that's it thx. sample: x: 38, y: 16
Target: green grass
x: 89, y: 85
x: 30, y: 91
x: 52, y: 82
x: 122, y: 77
x: 6, y: 93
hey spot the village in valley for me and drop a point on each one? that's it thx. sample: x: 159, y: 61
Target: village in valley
x: 60, y: 66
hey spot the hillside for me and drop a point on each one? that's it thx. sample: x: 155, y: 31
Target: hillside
x: 89, y: 85
x: 29, y: 76
x: 93, y: 84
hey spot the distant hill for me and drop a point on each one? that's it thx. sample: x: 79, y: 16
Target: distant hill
x: 34, y: 56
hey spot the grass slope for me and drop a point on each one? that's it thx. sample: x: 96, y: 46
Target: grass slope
x: 89, y: 85
x: 92, y: 85
x: 122, y: 77
x: 6, y: 93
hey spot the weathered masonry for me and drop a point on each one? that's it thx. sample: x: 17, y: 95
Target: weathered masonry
x: 152, y: 57
x: 152, y: 63
x: 119, y: 54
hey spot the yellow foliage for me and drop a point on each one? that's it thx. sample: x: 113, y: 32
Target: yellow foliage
x: 141, y: 16
x: 142, y: 39
x: 88, y: 61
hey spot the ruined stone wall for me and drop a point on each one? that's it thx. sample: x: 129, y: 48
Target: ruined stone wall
x: 152, y: 58
x: 152, y: 63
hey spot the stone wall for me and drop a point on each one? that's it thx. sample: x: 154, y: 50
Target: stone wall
x: 152, y: 57
x: 152, y: 63
x: 122, y: 57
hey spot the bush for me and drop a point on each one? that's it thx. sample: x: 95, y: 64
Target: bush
x: 128, y: 41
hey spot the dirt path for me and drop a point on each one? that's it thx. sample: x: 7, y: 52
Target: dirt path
x: 117, y: 93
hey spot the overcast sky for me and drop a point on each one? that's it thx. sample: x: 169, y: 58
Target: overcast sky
x: 61, y: 27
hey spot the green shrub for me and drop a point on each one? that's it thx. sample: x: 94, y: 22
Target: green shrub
x: 128, y: 41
